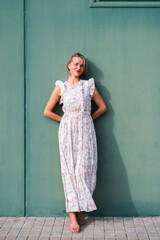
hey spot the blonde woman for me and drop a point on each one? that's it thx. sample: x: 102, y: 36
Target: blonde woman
x: 77, y: 138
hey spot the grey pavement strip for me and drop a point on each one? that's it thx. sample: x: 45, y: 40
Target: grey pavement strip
x: 95, y: 228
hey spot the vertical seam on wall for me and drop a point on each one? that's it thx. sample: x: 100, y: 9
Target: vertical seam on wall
x: 24, y: 59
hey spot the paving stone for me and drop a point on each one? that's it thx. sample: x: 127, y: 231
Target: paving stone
x: 66, y: 238
x: 140, y: 229
x: 156, y: 221
x: 44, y: 235
x: 110, y: 238
x: 14, y: 231
x: 87, y: 238
x: 66, y: 231
x: 120, y: 233
x: 110, y: 235
x: 24, y: 233
x: 154, y: 238
x: 143, y: 238
x: 43, y: 238
x: 118, y: 225
x: 109, y: 230
x: 121, y: 238
x: 21, y: 238
x: 98, y: 228
x: 109, y: 227
x: 99, y: 235
x: 132, y: 238
x: 58, y: 224
x: 1, y: 223
x: 131, y: 235
x: 89, y: 223
x: 4, y: 230
x: 56, y: 235
x: 33, y: 233
x: 32, y: 238
x: 46, y: 231
x: 88, y: 235
x: 10, y: 237
x: 129, y: 226
x: 77, y: 238
x: 58, y: 229
x: 138, y: 223
x: 99, y: 238
x: 142, y: 235
x: 59, y: 220
x: 152, y: 230
x: 66, y: 226
x: 87, y: 228
x: 2, y: 237
x: 2, y: 220
x: 158, y: 230
x: 55, y: 238
x: 67, y: 234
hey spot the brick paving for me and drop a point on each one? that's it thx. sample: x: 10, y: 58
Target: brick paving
x: 96, y: 228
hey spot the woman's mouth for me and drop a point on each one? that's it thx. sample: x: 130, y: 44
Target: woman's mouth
x: 77, y: 71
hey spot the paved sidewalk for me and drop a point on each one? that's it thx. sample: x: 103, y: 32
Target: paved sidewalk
x: 97, y: 228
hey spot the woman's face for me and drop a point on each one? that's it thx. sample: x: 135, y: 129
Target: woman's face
x: 76, y: 66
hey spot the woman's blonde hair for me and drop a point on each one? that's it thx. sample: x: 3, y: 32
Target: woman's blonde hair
x: 81, y: 56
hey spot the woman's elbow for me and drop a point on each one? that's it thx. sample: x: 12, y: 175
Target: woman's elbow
x: 45, y: 113
x: 104, y: 108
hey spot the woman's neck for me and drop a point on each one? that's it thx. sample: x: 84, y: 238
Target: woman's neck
x: 73, y: 80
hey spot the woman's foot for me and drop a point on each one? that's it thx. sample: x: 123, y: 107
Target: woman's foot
x: 80, y: 218
x: 74, y: 226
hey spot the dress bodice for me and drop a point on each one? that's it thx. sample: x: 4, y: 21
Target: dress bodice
x: 76, y: 98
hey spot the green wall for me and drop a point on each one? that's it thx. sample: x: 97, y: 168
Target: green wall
x: 123, y: 51
x: 11, y: 108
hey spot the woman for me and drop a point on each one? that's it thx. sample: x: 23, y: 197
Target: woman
x: 77, y: 138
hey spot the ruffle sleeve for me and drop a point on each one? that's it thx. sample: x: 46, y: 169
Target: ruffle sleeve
x: 61, y: 85
x: 91, y: 86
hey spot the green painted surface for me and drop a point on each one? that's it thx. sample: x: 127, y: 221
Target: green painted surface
x: 123, y: 50
x: 12, y: 109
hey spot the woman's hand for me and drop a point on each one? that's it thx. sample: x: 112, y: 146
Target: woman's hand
x: 55, y: 96
x: 100, y: 103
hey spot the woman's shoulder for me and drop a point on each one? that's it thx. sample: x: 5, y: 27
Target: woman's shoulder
x: 61, y: 85
x: 59, y: 82
x: 88, y: 82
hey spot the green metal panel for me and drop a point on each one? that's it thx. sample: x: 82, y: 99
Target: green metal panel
x: 123, y: 51
x: 124, y: 3
x: 12, y: 108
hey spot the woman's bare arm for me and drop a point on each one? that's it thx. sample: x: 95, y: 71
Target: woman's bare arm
x: 100, y: 103
x: 55, y: 96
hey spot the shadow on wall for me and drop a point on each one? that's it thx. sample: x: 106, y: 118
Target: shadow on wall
x: 112, y: 195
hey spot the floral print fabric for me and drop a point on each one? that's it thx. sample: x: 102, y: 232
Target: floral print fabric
x: 77, y: 145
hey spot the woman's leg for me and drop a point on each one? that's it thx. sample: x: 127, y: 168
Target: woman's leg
x: 74, y: 226
x: 80, y: 218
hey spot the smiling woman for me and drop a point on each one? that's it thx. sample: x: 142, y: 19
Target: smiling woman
x: 77, y: 138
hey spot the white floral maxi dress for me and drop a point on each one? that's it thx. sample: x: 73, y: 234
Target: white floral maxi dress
x: 78, y: 145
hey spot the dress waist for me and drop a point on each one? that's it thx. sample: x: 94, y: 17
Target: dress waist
x: 77, y: 112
